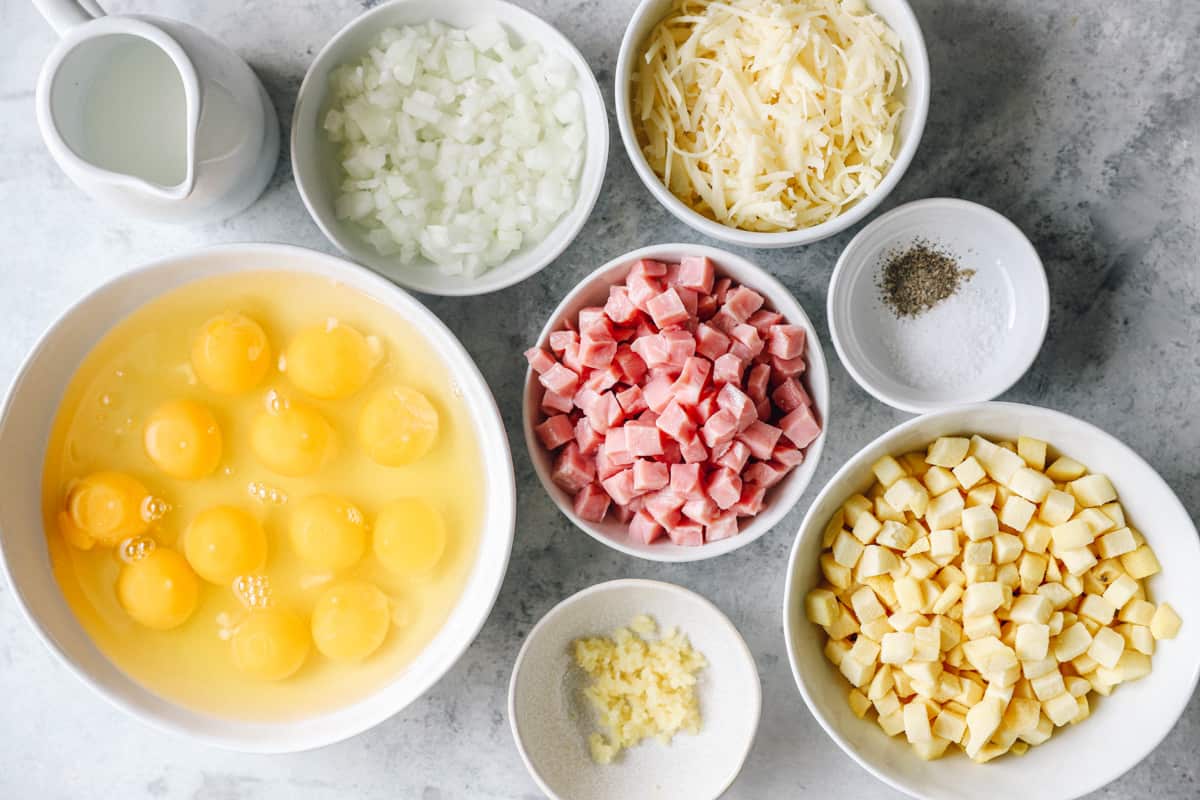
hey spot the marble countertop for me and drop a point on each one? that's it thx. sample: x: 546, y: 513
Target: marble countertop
x: 1080, y: 124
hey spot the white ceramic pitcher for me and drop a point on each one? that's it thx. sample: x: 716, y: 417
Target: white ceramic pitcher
x: 153, y: 117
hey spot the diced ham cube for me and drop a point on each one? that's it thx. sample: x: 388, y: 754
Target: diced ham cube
x: 643, y: 528
x: 657, y: 393
x: 616, y: 440
x: 606, y: 466
x: 560, y: 380
x: 624, y: 334
x: 685, y: 481
x: 735, y: 457
x: 601, y: 380
x: 689, y: 299
x: 624, y: 514
x: 675, y: 422
x: 650, y: 476
x: 720, y: 289
x: 710, y: 342
x: 728, y: 369
x: 724, y: 487
x: 741, y: 302
x: 671, y: 453
x: 647, y: 417
x: 719, y: 429
x: 724, y: 321
x: 591, y: 503
x: 585, y: 398
x: 619, y: 308
x: 693, y: 450
x: 706, y: 306
x: 758, y: 381
x: 596, y: 352
x: 551, y: 402
x: 555, y: 431
x: 691, y: 382
x: 751, y: 501
x: 631, y: 401
x: 801, y: 426
x: 633, y: 368
x: 739, y: 404
x: 723, y: 527
x: 702, y: 510
x: 760, y: 438
x: 787, y: 367
x: 696, y: 273
x: 620, y: 487
x: 664, y: 506
x: 572, y: 470
x: 747, y: 343
x: 763, y: 408
x: 586, y: 437
x: 642, y: 289
x: 762, y: 320
x: 595, y: 323
x: 667, y: 309
x: 681, y: 346
x: 605, y: 412
x: 560, y: 340
x: 786, y: 341
x: 707, y: 405
x: 649, y: 268
x: 570, y: 357
x: 788, y: 457
x: 764, y: 473
x: 686, y: 533
x: 653, y: 350
x: 643, y: 440
x: 539, y: 359
x: 790, y: 395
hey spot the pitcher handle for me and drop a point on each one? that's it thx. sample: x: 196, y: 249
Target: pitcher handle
x: 66, y: 14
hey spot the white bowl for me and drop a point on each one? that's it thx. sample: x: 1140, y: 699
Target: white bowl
x: 314, y: 160
x: 24, y: 429
x: 1078, y: 759
x: 896, y: 13
x: 593, y: 290
x: 1007, y: 271
x: 551, y: 720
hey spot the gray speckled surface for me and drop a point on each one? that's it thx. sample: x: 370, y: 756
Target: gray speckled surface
x: 1080, y: 125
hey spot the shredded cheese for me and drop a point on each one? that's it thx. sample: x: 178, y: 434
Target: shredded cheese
x: 769, y: 115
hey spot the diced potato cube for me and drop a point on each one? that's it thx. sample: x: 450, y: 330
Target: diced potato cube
x: 881, y: 683
x: 1002, y: 465
x: 979, y: 522
x: 1022, y: 715
x: 978, y: 552
x: 921, y: 545
x: 1019, y: 748
x: 897, y: 648
x: 1033, y: 641
x: 980, y: 573
x: 1072, y: 642
x: 1032, y: 452
x: 877, y: 560
x: 1036, y: 669
x: 920, y: 567
x: 1040, y: 734
x: 909, y: 594
x: 1115, y: 512
x: 904, y: 687
x: 982, y: 721
x: 835, y: 573
x: 1065, y: 469
x: 945, y: 511
x: 885, y: 512
x: 939, y: 480
x: 858, y: 673
x: 843, y: 626
x: 916, y: 723
x: 948, y: 598
x: 1017, y: 513
x: 1002, y: 693
x: 1056, y: 623
x: 908, y: 494
x: 1007, y: 547
x: 1165, y: 623
x: 1031, y: 569
x: 1133, y: 665
x: 1057, y: 508
x: 983, y: 495
x: 1036, y: 537
x: 924, y: 675
x: 854, y: 507
x: 969, y: 473
x: 982, y: 598
x: 932, y: 749
x: 821, y: 606
x: 981, y: 627
x: 1074, y: 582
x: 906, y: 621
x: 1097, y: 520
x: 948, y: 451
x: 1139, y: 637
x: 951, y: 574
x: 888, y: 471
x: 846, y: 550
x: 950, y: 725
x: 1035, y: 608
x: 895, y: 535
x: 1048, y: 686
x: 1061, y: 709
x: 1097, y: 608
x: 1137, y: 611
x: 1077, y: 686
x: 833, y: 527
x: 1071, y: 534
x: 1030, y: 484
x: 876, y: 629
x: 1106, y: 647
x: 865, y: 529
x: 864, y: 651
x: 991, y: 750
x: 883, y: 587
x: 972, y: 692
x: 866, y: 605
x: 927, y: 643
x: 859, y: 704
x: 1008, y: 575
x: 915, y: 463
x: 943, y: 544
x: 1056, y: 593
x: 1141, y: 563
x: 1117, y: 543
x: 888, y: 704
x: 1092, y: 490
x: 893, y: 723
x: 1085, y: 710
x: 835, y: 650
x: 1077, y: 561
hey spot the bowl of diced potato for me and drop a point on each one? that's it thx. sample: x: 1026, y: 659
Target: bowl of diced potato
x: 993, y: 600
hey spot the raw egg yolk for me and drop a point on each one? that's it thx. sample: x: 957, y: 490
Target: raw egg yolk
x: 106, y: 507
x: 293, y: 440
x: 183, y: 439
x: 223, y: 542
x: 231, y: 354
x: 159, y: 590
x: 397, y: 426
x: 270, y: 644
x: 350, y: 620
x: 410, y: 536
x: 329, y: 361
x: 328, y: 531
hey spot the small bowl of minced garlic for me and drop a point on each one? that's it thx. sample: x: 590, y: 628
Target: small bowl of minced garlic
x: 634, y: 688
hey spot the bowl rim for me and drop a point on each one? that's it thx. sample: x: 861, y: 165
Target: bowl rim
x: 792, y: 612
x: 240, y: 740
x: 849, y: 265
x: 616, y: 585
x: 919, y: 84
x: 309, y: 186
x: 771, y: 288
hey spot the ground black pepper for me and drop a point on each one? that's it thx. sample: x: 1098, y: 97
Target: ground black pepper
x: 916, y: 279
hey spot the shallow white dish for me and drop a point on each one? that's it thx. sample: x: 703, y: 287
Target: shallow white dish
x: 25, y: 423
x: 551, y: 720
x: 1007, y: 270
x: 896, y: 13
x: 593, y: 290
x: 315, y: 164
x: 1122, y: 730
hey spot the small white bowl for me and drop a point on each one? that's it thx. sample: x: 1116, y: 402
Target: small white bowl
x: 1122, y: 730
x: 25, y: 422
x: 592, y: 291
x: 314, y: 158
x: 872, y: 342
x: 551, y: 720
x: 896, y: 13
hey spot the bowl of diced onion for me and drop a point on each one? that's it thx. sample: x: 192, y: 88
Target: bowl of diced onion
x: 455, y: 146
x: 771, y: 124
x: 1117, y: 724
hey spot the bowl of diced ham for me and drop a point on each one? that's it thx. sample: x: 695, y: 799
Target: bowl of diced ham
x: 675, y: 401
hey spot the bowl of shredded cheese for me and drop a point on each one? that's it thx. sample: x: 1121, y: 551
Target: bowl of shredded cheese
x: 771, y: 123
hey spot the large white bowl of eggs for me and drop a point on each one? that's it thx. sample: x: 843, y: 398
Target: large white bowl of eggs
x: 234, y: 516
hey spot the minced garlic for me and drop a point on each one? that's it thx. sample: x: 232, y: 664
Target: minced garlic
x: 639, y: 688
